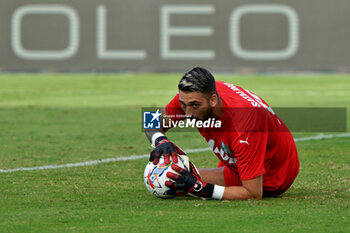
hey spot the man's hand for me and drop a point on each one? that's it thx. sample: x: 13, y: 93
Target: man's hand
x: 166, y: 148
x: 188, y: 182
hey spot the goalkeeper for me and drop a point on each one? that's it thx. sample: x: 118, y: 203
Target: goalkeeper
x: 257, y: 153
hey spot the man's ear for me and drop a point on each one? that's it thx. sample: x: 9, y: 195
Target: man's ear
x: 213, y: 100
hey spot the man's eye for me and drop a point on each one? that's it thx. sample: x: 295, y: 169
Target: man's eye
x: 196, y: 105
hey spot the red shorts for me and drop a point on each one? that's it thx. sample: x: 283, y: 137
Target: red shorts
x: 231, y: 176
x: 232, y: 179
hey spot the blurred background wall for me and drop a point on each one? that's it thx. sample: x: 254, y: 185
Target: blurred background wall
x: 164, y: 35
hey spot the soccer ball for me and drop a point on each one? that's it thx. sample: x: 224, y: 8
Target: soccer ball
x: 155, y: 175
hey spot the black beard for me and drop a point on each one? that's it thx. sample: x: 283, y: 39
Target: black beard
x: 209, y: 113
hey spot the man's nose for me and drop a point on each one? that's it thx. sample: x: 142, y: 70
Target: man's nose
x: 188, y: 113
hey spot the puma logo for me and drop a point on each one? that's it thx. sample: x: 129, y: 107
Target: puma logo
x: 246, y: 141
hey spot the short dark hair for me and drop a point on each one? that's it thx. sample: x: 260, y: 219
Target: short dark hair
x: 198, y: 80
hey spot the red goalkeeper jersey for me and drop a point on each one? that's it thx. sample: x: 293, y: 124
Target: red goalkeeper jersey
x: 252, y: 140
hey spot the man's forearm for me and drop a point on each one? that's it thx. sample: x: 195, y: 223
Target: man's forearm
x: 252, y: 188
x: 152, y: 134
x: 238, y: 193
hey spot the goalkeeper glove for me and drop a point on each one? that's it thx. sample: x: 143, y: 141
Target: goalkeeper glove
x: 190, y: 182
x: 166, y: 148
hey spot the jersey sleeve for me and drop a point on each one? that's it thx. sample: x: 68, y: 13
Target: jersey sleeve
x: 250, y: 149
x: 173, y: 109
x: 250, y: 144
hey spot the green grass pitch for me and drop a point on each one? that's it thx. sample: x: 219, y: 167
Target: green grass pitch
x: 53, y: 119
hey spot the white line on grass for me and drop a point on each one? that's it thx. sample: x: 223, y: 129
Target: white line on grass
x: 135, y: 157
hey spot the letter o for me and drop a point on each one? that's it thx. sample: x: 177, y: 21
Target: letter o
x: 293, y: 32
x: 16, y: 32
